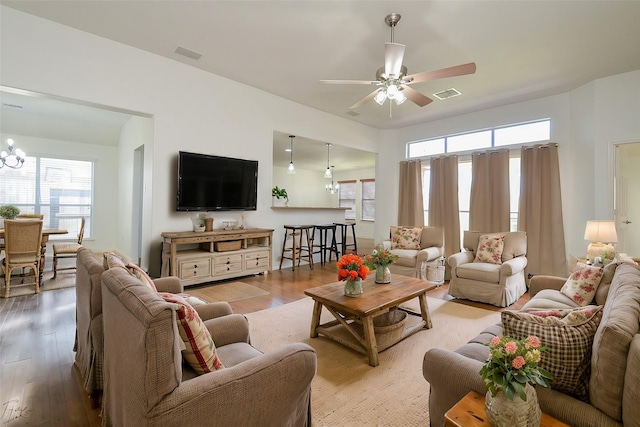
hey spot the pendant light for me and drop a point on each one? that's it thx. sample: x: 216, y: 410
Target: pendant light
x: 291, y: 169
x: 332, y: 188
x: 327, y: 173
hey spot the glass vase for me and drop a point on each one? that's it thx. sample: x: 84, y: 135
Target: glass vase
x: 353, y: 288
x: 383, y: 274
x: 503, y: 412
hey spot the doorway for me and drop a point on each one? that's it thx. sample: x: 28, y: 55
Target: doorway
x: 627, y: 197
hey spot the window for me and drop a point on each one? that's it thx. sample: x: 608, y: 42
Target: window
x: 521, y: 133
x: 60, y: 189
x: 347, y: 198
x: 368, y: 208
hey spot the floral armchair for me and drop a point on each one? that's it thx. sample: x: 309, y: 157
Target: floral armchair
x: 413, y: 246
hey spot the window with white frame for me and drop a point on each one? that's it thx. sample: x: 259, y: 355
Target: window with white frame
x: 347, y: 198
x: 368, y: 199
x: 59, y: 189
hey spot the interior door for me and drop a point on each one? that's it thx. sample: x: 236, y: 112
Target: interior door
x: 627, y: 198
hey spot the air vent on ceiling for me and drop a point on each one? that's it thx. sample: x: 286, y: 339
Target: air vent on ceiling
x: 188, y: 53
x: 12, y: 105
x: 446, y: 94
x: 352, y: 113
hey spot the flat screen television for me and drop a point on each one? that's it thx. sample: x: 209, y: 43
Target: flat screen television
x: 213, y: 183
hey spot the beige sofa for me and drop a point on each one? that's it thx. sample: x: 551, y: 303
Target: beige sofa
x: 614, y: 381
x: 147, y: 383
x: 410, y: 261
x: 89, y: 335
x: 496, y: 284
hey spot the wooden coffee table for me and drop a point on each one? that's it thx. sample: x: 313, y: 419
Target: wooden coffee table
x: 355, y: 314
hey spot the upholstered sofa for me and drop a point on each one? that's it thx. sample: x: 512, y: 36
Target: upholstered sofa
x: 499, y: 284
x: 614, y: 378
x: 89, y: 336
x: 147, y: 383
x: 427, y: 246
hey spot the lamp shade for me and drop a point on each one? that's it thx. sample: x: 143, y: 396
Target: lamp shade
x: 601, y: 231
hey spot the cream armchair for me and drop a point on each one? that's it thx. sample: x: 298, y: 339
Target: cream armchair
x: 410, y: 261
x: 498, y: 284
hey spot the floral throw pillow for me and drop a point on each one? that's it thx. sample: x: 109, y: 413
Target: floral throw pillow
x: 490, y: 247
x: 583, y: 283
x: 200, y: 351
x: 406, y: 237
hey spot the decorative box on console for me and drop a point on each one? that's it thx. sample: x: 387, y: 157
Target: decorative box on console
x: 230, y: 245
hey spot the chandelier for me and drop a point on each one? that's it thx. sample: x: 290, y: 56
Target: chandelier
x: 13, y: 161
x: 332, y: 188
x: 291, y: 169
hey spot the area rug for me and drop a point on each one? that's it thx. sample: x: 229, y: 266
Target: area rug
x: 346, y: 391
x: 24, y: 285
x: 232, y: 291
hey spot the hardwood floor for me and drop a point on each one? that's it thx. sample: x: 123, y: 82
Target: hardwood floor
x: 39, y: 383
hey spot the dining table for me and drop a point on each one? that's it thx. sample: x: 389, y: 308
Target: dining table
x: 46, y: 232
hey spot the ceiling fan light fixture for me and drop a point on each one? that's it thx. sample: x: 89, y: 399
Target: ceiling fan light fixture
x: 380, y: 97
x: 400, y: 98
x: 392, y: 91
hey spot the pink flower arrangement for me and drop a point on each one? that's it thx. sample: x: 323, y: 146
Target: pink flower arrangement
x: 350, y: 267
x: 512, y: 364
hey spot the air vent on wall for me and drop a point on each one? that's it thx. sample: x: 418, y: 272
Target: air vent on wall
x: 446, y: 94
x: 188, y: 53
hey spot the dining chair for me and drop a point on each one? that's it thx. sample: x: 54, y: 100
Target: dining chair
x: 30, y: 216
x: 22, y: 249
x: 67, y: 250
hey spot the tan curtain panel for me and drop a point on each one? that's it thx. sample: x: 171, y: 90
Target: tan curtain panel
x: 443, y: 201
x: 410, y: 204
x: 541, y: 210
x: 489, y: 205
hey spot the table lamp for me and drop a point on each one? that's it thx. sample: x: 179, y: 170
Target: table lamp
x: 601, y: 234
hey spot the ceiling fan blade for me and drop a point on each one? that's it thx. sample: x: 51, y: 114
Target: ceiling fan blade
x: 393, y: 56
x: 364, y: 100
x: 349, y: 82
x: 458, y: 70
x: 419, y: 99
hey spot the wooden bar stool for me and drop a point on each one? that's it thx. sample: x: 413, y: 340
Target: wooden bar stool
x: 343, y: 233
x: 299, y: 249
x: 324, y: 244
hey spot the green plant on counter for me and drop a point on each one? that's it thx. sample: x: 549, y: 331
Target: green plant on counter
x: 9, y: 212
x: 279, y: 193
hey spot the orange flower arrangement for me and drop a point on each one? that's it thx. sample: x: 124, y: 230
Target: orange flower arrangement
x: 350, y: 267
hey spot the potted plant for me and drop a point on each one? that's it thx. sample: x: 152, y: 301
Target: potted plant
x: 279, y: 193
x: 8, y: 212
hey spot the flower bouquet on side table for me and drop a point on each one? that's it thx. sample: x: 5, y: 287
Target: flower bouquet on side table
x: 509, y: 372
x: 352, y: 270
x: 379, y: 260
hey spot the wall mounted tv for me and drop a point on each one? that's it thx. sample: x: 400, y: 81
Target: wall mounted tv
x: 213, y: 183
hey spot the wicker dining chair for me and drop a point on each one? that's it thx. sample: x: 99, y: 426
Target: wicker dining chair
x: 67, y: 250
x: 22, y: 249
x: 30, y: 216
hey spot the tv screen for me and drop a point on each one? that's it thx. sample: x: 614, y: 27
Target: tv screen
x: 212, y: 183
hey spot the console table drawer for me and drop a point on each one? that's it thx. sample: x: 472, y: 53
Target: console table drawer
x: 253, y: 262
x: 221, y: 269
x: 227, y: 259
x: 195, y: 268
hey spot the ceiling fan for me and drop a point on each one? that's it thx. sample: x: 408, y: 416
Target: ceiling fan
x: 392, y: 79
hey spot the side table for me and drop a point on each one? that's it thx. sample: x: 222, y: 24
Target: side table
x: 469, y: 412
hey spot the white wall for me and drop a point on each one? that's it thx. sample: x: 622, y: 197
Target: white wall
x: 192, y: 110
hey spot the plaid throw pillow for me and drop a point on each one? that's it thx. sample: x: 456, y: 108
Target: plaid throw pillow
x: 569, y: 336
x: 200, y: 352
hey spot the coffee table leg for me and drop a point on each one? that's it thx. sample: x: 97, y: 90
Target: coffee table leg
x: 315, y: 318
x: 370, y: 340
x: 424, y: 311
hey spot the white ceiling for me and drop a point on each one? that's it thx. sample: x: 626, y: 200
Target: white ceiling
x: 523, y: 49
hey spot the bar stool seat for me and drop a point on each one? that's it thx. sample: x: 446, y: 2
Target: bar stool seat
x: 299, y: 249
x: 324, y: 244
x: 343, y: 231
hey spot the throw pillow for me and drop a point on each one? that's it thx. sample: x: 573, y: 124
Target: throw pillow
x: 141, y: 275
x: 406, y: 237
x: 112, y: 260
x: 490, y: 247
x: 200, y: 351
x: 569, y: 336
x: 583, y: 283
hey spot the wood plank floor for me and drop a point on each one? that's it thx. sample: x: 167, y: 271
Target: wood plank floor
x: 39, y: 383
